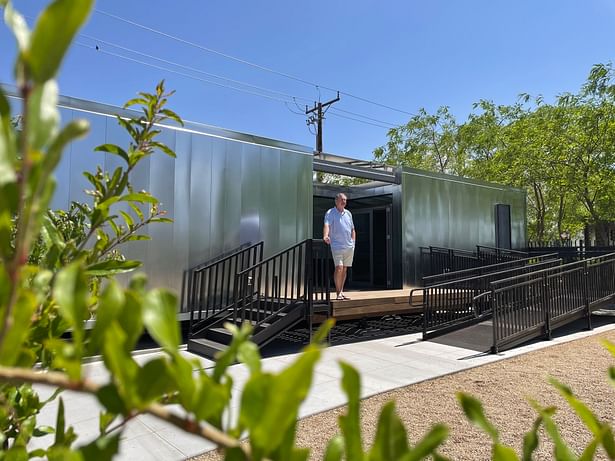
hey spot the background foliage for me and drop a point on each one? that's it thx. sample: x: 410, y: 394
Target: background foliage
x: 52, y: 264
x: 562, y: 153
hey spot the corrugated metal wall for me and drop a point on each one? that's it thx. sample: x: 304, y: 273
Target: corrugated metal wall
x: 448, y: 211
x: 223, y: 189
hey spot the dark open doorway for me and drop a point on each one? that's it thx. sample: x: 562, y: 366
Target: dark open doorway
x: 373, y: 266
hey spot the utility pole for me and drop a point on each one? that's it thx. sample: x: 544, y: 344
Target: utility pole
x: 318, y: 118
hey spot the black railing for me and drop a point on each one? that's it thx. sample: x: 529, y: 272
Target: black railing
x: 493, y: 255
x: 480, y: 270
x: 438, y: 260
x: 569, y: 251
x: 530, y: 307
x: 210, y: 287
x: 452, y: 304
x: 273, y: 287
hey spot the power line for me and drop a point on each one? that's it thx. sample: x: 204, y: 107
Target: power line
x: 192, y: 69
x: 166, y: 69
x: 248, y: 63
x: 337, y: 109
x: 204, y: 48
x: 360, y: 121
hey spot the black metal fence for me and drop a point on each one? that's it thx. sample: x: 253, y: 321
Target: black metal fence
x: 209, y: 288
x: 274, y: 287
x: 452, y: 304
x: 568, y: 250
x: 493, y: 255
x: 532, y: 306
x: 438, y: 260
x: 480, y: 270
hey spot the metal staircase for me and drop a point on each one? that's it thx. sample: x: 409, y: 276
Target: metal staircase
x: 272, y: 294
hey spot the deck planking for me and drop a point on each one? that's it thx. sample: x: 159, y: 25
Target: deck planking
x: 375, y: 303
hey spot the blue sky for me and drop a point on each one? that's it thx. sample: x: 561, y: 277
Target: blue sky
x: 402, y: 54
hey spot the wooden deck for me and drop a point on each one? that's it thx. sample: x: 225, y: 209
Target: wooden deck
x: 375, y: 303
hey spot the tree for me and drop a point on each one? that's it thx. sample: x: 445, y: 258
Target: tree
x: 46, y: 296
x: 561, y: 153
x: 428, y: 142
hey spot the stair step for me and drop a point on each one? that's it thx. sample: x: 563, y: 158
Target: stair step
x: 219, y: 334
x: 205, y: 347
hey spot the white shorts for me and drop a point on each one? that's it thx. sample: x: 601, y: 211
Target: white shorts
x: 343, y: 257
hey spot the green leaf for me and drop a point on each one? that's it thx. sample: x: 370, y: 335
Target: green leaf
x: 165, y: 220
x: 52, y: 35
x: 20, y: 329
x: 391, y: 440
x: 321, y: 334
x: 530, y: 440
x: 60, y: 424
x: 153, y: 380
x: 288, y: 390
x: 110, y: 304
x: 137, y: 210
x: 17, y: 24
x: 43, y: 115
x: 504, y: 453
x: 7, y: 143
x: 607, y: 441
x: 350, y: 423
x: 129, y: 221
x: 73, y: 130
x: 113, y: 149
x: 71, y: 293
x: 104, y: 420
x: 139, y: 197
x: 164, y: 148
x: 160, y: 318
x: 473, y: 410
x: 579, y: 407
x: 590, y: 450
x: 111, y: 400
x: 102, y: 449
x: 335, y: 449
x: 254, y: 399
x: 428, y: 444
x: 111, y: 267
x: 248, y: 353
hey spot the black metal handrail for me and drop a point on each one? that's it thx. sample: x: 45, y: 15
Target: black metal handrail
x: 530, y: 307
x: 493, y: 255
x: 476, y: 271
x: 450, y: 304
x: 210, y: 286
x: 273, y: 286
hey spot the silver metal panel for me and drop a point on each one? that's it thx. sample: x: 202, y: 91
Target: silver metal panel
x: 305, y: 197
x: 217, y: 201
x: 231, y: 211
x: 164, y: 268
x: 251, y: 181
x: 181, y: 200
x: 447, y: 211
x: 200, y: 200
x: 288, y: 208
x: 270, y: 199
x: 62, y: 173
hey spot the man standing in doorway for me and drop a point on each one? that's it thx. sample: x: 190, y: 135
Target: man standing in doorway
x: 339, y: 232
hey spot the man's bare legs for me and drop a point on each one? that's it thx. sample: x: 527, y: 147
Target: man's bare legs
x: 339, y: 277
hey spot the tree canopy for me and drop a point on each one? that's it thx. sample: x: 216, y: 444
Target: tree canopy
x: 562, y: 153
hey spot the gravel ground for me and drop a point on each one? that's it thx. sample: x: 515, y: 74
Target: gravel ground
x: 504, y: 388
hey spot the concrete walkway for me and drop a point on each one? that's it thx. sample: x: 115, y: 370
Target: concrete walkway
x: 385, y: 364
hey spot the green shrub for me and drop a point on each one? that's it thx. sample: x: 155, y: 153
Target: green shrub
x: 52, y: 265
